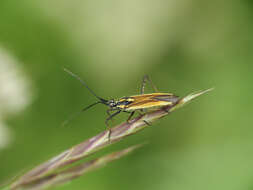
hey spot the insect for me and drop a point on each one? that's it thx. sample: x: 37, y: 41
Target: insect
x: 132, y: 104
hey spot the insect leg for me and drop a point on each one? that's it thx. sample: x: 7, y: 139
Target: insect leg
x: 108, y: 112
x: 147, y: 123
x: 144, y: 81
x: 108, y: 119
x: 165, y: 110
x: 130, y: 116
x: 141, y: 114
x: 110, y: 116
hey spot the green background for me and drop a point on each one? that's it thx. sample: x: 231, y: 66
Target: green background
x: 185, y: 46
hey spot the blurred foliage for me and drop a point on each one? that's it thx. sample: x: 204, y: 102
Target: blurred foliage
x: 183, y: 45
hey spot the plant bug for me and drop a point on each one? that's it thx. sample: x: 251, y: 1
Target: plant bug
x: 131, y: 104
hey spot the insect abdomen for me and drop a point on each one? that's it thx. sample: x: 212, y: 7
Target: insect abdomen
x: 150, y: 101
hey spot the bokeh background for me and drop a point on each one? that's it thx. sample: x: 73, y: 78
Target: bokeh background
x: 183, y: 45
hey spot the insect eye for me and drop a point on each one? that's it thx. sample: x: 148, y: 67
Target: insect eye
x: 112, y: 103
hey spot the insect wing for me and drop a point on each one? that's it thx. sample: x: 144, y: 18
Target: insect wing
x: 169, y: 98
x: 151, y: 101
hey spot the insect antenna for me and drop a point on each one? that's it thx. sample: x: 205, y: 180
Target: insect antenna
x: 78, y: 113
x: 84, y: 84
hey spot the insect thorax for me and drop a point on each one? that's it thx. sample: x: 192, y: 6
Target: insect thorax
x: 123, y: 103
